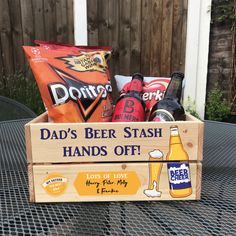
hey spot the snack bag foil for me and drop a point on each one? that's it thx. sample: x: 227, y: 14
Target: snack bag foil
x: 74, y: 83
x: 153, y: 89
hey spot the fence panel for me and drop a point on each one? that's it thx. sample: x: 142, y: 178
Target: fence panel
x: 147, y: 36
x: 22, y: 21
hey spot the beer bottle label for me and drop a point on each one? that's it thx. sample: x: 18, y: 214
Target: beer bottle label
x: 128, y: 109
x: 179, y: 175
x: 162, y: 115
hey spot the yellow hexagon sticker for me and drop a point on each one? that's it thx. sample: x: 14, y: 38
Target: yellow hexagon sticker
x: 107, y: 183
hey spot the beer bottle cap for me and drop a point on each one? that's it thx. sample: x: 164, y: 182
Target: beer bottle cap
x: 174, y: 131
x: 177, y: 74
x: 137, y: 76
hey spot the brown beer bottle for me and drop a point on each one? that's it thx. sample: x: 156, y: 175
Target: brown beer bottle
x: 130, y: 106
x: 170, y: 109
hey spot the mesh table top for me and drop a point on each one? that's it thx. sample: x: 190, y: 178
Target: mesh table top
x: 215, y: 214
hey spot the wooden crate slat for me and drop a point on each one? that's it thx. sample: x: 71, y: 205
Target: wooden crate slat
x: 122, y: 145
x: 79, y: 182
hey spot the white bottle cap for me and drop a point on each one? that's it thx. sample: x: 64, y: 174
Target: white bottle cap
x: 174, y: 131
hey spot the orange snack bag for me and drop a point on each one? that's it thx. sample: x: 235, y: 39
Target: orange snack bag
x: 74, y: 82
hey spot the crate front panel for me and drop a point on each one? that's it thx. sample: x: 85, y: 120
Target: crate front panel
x: 109, y: 142
x: 112, y: 182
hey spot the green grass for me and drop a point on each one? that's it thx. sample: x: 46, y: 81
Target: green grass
x: 22, y: 89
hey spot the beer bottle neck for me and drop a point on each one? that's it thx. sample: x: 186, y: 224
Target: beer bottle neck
x: 175, y: 148
x: 176, y: 151
x: 174, y: 136
x: 136, y: 84
x: 175, y: 140
x: 174, y: 88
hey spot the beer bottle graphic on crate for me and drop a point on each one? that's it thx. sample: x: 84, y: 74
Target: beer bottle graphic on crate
x: 178, y: 172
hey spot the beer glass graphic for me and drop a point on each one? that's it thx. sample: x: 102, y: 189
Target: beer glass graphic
x: 154, y: 173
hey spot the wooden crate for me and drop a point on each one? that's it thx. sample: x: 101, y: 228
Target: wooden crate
x: 111, y: 161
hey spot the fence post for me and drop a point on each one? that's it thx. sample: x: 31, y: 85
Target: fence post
x: 197, y: 48
x: 80, y: 22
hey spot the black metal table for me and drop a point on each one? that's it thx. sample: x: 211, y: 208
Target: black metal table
x: 215, y: 214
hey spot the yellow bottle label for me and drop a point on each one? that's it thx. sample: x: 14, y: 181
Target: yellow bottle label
x: 107, y: 183
x: 55, y: 184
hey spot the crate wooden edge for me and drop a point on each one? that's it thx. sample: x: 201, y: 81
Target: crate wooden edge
x: 119, y: 198
x: 199, y: 181
x: 43, y: 118
x: 200, y: 135
x: 39, y: 119
x: 200, y: 141
x: 42, y: 121
x: 29, y: 163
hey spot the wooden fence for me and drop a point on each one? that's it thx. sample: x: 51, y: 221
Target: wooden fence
x: 147, y: 36
x: 22, y: 21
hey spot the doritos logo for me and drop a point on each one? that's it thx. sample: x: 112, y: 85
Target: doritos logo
x: 87, y: 96
x: 89, y: 61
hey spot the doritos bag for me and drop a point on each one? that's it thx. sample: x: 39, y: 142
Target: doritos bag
x: 153, y: 89
x: 74, y: 82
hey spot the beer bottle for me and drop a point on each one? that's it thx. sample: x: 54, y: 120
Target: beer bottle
x: 178, y: 172
x: 170, y: 109
x: 130, y: 106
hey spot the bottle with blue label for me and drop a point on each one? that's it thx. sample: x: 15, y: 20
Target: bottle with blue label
x: 178, y: 172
